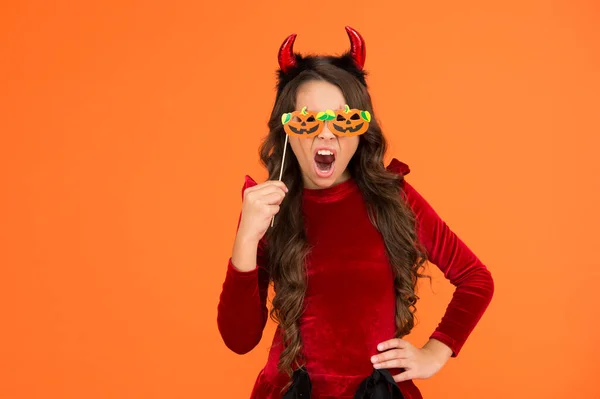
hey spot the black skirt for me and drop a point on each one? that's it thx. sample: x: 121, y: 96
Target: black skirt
x: 379, y: 385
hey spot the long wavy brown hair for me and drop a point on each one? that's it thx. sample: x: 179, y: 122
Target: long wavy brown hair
x: 287, y: 246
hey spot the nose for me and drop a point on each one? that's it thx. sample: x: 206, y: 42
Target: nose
x: 326, y: 133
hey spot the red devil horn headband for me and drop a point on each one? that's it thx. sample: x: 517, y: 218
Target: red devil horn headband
x: 287, y: 59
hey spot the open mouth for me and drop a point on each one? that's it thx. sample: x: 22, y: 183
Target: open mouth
x: 324, y: 163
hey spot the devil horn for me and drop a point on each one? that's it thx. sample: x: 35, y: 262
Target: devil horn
x: 286, y: 57
x: 357, y: 47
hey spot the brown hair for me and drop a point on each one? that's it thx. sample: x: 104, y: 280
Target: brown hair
x: 287, y: 245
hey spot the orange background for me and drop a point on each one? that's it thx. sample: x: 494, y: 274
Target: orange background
x: 127, y: 130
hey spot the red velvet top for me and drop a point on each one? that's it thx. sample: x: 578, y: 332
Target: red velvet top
x: 350, y: 302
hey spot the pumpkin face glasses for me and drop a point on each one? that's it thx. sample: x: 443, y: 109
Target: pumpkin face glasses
x: 343, y: 123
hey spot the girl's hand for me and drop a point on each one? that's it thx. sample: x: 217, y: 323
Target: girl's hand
x: 260, y: 204
x: 417, y: 362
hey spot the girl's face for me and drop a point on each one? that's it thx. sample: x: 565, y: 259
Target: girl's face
x: 318, y: 170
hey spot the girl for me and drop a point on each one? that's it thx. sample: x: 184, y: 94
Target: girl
x: 345, y: 248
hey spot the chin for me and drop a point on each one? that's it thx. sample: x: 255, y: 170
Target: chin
x: 323, y: 183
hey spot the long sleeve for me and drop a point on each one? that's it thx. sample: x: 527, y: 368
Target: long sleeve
x: 242, y: 310
x: 473, y: 281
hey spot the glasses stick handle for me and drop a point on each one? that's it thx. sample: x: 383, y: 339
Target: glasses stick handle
x: 281, y: 170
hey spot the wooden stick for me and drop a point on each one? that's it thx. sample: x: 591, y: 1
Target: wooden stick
x: 281, y: 170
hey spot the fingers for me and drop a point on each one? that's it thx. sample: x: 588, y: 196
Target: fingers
x: 389, y: 355
x: 262, y: 190
x: 394, y: 357
x: 405, y: 376
x: 393, y: 343
x: 268, y: 184
x: 260, y: 203
x: 273, y: 210
x: 274, y: 198
x: 268, y: 194
x: 268, y: 211
x: 417, y: 363
x: 394, y: 363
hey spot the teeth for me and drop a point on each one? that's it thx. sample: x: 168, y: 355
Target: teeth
x: 324, y: 152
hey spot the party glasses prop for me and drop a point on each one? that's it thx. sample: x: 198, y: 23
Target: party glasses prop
x: 345, y: 122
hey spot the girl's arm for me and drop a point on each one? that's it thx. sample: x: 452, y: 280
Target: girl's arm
x: 242, y: 309
x: 473, y: 281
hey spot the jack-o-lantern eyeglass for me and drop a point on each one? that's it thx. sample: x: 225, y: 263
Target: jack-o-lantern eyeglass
x: 343, y: 123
